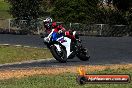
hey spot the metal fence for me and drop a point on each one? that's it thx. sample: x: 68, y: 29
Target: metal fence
x: 20, y: 26
x: 4, y: 24
x: 36, y: 27
x: 105, y: 30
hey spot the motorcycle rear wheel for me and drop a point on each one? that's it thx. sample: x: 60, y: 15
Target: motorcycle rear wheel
x: 83, y: 54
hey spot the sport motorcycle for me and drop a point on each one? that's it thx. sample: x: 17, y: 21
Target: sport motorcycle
x: 64, y: 48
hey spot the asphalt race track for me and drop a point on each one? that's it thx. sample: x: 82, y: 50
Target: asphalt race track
x: 103, y: 50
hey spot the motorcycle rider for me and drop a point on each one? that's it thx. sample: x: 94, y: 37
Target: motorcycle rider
x: 47, y: 25
x: 57, y: 30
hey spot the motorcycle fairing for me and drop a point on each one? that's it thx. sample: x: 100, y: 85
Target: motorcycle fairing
x: 66, y: 42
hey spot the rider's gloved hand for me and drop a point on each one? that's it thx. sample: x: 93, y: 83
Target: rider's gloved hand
x: 60, y: 31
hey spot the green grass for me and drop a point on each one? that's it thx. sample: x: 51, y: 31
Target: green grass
x: 9, y: 54
x: 65, y: 80
x: 4, y: 10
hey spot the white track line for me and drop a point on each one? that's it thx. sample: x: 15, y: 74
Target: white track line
x: 17, y: 45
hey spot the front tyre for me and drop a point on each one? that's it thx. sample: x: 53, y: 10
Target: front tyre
x: 60, y: 56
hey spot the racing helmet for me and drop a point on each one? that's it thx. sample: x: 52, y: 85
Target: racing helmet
x: 48, y: 20
x: 47, y: 23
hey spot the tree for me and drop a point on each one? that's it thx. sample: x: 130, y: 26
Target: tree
x: 75, y: 10
x: 111, y: 10
x: 25, y: 9
x: 47, y: 6
x: 122, y: 5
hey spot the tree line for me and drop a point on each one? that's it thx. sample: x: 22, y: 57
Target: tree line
x: 80, y: 11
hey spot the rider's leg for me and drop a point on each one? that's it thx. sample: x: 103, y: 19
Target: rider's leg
x: 70, y: 35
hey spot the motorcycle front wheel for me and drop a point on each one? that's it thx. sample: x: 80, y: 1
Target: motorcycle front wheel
x: 60, y: 56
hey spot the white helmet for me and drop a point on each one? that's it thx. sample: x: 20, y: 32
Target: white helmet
x: 48, y: 20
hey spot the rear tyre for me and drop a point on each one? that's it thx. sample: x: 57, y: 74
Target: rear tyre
x: 83, y: 54
x: 60, y: 56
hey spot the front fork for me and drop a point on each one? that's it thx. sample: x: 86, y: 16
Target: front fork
x: 58, y: 47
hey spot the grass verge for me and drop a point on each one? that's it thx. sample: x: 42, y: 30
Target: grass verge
x: 10, y: 54
x: 63, y: 80
x: 4, y: 8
